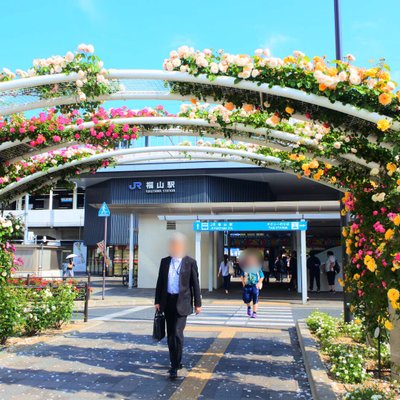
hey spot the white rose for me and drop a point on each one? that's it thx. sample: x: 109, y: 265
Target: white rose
x: 69, y: 56
x: 259, y: 52
x: 79, y: 83
x: 337, y: 145
x: 374, y: 171
x: 214, y: 68
x: 176, y: 62
x: 266, y: 52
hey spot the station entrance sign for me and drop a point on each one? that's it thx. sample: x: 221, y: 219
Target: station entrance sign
x: 249, y: 226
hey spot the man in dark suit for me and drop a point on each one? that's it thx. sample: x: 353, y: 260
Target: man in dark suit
x: 177, y: 290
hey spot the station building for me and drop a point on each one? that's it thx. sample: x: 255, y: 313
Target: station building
x: 149, y: 201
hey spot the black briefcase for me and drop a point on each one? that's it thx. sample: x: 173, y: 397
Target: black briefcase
x: 159, y: 326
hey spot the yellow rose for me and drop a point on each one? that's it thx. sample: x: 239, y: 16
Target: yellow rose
x: 341, y: 282
x: 289, y: 110
x: 383, y: 125
x: 393, y: 294
x: 314, y: 164
x: 388, y: 325
x: 370, y: 263
x: 396, y: 220
x: 344, y: 232
x: 357, y: 321
x: 356, y: 277
x: 389, y: 234
x: 391, y: 167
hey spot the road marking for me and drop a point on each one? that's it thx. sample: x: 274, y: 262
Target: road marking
x: 115, y: 315
x: 201, y: 373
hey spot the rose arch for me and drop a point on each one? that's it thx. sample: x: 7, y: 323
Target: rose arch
x: 332, y: 122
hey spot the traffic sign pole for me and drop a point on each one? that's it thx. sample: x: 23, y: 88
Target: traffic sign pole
x: 104, y: 212
x: 105, y: 257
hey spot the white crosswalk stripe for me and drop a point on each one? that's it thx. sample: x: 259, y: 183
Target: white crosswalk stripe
x: 267, y: 316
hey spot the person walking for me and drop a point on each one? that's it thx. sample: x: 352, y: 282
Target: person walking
x: 331, y: 267
x: 266, y: 269
x: 252, y: 277
x: 293, y: 271
x: 225, y: 270
x: 70, y: 268
x: 313, y: 265
x: 177, y: 290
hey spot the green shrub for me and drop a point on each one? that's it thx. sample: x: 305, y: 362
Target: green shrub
x: 323, y: 326
x: 370, y: 393
x: 12, y: 306
x: 49, y: 307
x: 347, y: 362
x: 353, y: 331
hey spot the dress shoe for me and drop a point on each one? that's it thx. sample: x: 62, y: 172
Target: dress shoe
x: 180, y: 367
x: 173, y: 373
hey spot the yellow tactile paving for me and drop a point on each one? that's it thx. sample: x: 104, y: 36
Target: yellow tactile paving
x: 197, y: 378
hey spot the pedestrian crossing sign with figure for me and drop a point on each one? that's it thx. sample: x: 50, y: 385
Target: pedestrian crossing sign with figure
x: 104, y: 211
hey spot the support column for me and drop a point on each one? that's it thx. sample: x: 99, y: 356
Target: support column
x: 51, y: 211
x: 211, y: 261
x: 303, y: 267
x: 298, y: 253
x: 131, y: 252
x: 75, y: 198
x: 26, y: 232
x: 198, y: 253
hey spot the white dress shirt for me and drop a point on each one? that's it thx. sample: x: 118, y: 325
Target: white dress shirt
x: 173, y: 275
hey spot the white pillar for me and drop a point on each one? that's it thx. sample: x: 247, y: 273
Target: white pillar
x: 51, y: 199
x: 26, y: 232
x: 211, y: 261
x: 197, y: 253
x: 75, y: 198
x: 298, y: 252
x: 303, y: 267
x: 131, y: 252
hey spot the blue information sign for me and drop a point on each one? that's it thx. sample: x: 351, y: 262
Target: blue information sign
x: 237, y: 226
x: 104, y: 211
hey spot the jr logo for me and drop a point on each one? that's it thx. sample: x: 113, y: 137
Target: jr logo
x: 136, y: 185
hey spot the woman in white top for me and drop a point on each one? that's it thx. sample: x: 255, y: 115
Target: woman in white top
x: 224, y: 270
x: 330, y: 268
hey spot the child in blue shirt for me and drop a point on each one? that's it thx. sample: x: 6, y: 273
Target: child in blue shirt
x: 252, y: 277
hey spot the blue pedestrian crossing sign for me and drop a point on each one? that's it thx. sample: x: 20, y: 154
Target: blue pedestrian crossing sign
x: 104, y: 211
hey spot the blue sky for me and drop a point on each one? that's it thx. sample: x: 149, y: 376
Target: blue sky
x: 140, y: 34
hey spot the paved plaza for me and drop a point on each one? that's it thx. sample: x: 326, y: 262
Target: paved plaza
x: 227, y: 356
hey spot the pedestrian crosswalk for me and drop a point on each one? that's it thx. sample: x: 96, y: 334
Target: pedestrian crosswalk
x: 267, y: 316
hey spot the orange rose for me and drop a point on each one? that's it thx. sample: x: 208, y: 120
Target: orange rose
x: 385, y: 76
x: 331, y: 71
x: 229, y: 106
x: 248, y: 107
x: 193, y: 101
x: 275, y: 119
x: 385, y: 99
x: 322, y: 87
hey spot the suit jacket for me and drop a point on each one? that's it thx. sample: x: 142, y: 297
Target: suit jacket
x: 189, y: 287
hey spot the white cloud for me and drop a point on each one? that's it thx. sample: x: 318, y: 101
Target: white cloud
x: 89, y: 8
x: 275, y: 40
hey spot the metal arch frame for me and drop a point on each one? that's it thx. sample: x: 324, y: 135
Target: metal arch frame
x: 225, y: 81
x: 244, y: 155
x: 183, y: 121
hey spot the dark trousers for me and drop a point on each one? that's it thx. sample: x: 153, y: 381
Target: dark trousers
x: 293, y: 281
x: 315, y: 274
x: 227, y: 281
x: 331, y: 277
x: 175, y: 325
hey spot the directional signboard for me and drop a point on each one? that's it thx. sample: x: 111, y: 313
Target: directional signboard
x: 104, y: 211
x: 260, y: 226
